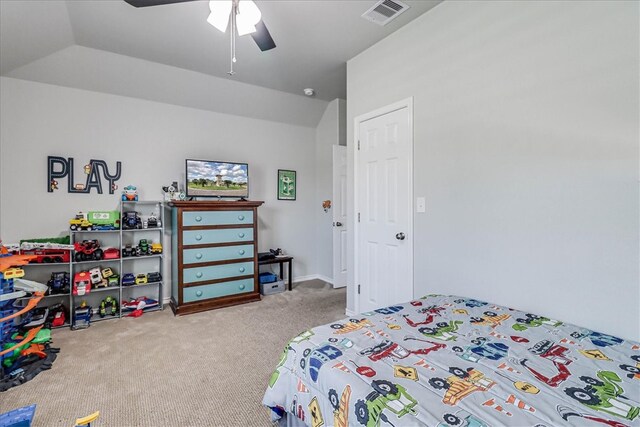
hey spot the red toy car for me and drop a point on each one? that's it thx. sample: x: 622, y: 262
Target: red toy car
x: 88, y: 250
x: 111, y: 253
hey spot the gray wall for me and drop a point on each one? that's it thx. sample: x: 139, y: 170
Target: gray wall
x: 526, y: 149
x: 152, y: 140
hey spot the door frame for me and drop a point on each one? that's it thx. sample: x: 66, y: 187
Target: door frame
x: 408, y: 104
x: 336, y: 204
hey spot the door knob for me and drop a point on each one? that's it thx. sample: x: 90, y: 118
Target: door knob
x: 338, y: 224
x: 400, y: 236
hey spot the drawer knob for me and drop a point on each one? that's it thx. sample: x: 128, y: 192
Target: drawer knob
x: 199, y: 274
x: 241, y: 269
x: 198, y: 256
x: 241, y: 286
x: 241, y: 235
x: 241, y: 217
x: 241, y: 251
x: 198, y: 293
x: 199, y: 237
x: 198, y: 218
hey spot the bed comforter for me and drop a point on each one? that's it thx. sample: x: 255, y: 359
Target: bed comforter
x: 451, y: 361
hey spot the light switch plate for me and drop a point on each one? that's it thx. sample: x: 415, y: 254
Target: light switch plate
x: 421, y: 205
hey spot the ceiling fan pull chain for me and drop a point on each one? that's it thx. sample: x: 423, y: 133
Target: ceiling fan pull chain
x: 234, y: 11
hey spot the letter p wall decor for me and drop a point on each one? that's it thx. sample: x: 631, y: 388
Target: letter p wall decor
x: 95, y: 171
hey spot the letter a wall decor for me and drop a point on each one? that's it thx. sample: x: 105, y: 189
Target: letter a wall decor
x: 60, y: 167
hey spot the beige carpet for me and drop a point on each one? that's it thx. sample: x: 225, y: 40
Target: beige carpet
x: 206, y: 369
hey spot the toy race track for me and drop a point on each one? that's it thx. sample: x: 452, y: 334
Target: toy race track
x: 25, y: 349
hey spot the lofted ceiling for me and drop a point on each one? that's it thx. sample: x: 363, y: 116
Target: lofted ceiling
x: 314, y: 38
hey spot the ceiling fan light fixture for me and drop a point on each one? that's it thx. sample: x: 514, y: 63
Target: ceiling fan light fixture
x: 220, y: 12
x: 248, y: 16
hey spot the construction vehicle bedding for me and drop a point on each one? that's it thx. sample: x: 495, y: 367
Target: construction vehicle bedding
x: 452, y: 361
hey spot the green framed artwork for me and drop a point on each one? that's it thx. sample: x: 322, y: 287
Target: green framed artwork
x: 286, y: 184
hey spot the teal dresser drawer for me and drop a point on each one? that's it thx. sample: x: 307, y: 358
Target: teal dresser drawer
x: 217, y: 218
x: 213, y: 272
x: 205, y: 237
x: 216, y: 290
x: 192, y: 256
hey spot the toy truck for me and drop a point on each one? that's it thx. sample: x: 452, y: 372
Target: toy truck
x: 80, y: 222
x: 88, y: 250
x: 58, y: 283
x: 131, y: 220
x: 81, y: 283
x: 143, y: 248
x: 104, y: 220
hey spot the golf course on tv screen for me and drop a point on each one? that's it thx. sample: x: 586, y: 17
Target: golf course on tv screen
x: 217, y: 179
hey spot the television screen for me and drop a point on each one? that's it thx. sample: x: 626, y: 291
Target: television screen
x: 217, y: 179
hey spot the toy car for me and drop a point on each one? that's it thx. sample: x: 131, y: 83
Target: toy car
x: 58, y: 283
x: 156, y: 248
x: 127, y: 251
x: 131, y: 220
x: 13, y: 273
x: 154, y: 277
x: 80, y: 222
x: 96, y: 277
x: 128, y: 279
x: 143, y: 248
x: 111, y: 253
x: 81, y: 283
x: 152, y: 221
x: 141, y: 279
x: 139, y: 303
x: 57, y: 315
x: 88, y: 250
x: 107, y: 272
x: 113, y: 280
x: 130, y: 193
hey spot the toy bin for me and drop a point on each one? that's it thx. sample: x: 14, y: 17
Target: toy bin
x: 272, y: 287
x: 267, y: 278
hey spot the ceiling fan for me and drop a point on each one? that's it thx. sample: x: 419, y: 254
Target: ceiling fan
x: 244, y: 15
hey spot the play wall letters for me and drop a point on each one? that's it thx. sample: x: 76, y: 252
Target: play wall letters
x: 60, y: 167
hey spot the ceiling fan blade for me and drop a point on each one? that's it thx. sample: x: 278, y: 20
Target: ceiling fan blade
x: 262, y: 37
x: 145, y: 3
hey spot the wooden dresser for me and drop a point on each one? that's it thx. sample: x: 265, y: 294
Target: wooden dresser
x: 214, y: 254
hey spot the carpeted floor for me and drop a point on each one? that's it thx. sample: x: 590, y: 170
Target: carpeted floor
x: 206, y: 369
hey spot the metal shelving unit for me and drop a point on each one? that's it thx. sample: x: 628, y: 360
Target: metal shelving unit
x: 123, y: 237
x: 158, y: 232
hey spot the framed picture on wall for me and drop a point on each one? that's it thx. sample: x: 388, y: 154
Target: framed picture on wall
x: 286, y: 184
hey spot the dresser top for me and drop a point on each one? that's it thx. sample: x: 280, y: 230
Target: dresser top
x: 208, y: 204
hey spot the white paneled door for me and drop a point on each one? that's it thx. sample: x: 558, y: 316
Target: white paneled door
x: 339, y: 209
x: 384, y: 208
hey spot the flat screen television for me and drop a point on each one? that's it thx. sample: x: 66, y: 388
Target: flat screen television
x: 207, y: 178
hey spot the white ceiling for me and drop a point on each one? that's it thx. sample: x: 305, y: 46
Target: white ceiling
x: 314, y: 38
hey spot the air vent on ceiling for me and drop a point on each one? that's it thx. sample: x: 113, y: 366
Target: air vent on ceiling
x: 385, y: 11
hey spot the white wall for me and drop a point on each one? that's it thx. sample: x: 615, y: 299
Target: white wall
x: 152, y: 140
x: 526, y: 149
x: 101, y: 71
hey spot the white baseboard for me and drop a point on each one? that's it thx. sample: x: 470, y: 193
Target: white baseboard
x: 325, y: 279
x: 349, y: 312
x: 313, y: 277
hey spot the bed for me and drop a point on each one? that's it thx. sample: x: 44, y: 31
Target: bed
x: 452, y: 361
